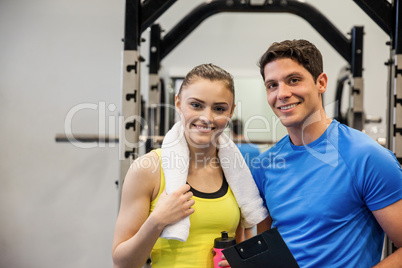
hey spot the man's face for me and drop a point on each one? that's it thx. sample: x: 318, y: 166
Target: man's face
x: 292, y: 92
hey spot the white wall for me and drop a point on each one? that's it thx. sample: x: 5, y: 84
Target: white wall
x: 58, y: 202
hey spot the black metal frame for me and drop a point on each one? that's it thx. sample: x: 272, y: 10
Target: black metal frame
x: 356, y: 62
x: 154, y: 52
x: 131, y: 26
x: 351, y: 50
x: 380, y: 11
x: 355, y: 116
x: 319, y: 22
x: 356, y: 110
x: 139, y: 16
x: 388, y: 17
x: 151, y: 11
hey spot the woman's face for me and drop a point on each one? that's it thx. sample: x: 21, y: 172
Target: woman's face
x: 205, y: 107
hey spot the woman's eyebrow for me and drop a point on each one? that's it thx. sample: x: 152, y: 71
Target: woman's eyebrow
x: 193, y: 98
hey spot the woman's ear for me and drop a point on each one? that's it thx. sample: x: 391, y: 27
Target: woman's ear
x: 322, y: 81
x: 233, y: 108
x: 177, y: 104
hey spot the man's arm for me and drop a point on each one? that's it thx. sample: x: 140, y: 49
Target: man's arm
x: 390, y: 219
x: 264, y: 225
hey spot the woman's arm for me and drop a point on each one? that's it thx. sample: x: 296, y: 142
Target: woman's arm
x: 136, y: 230
x: 248, y: 233
x: 239, y: 235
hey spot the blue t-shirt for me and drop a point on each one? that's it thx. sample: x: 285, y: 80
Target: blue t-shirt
x: 249, y: 152
x: 320, y: 196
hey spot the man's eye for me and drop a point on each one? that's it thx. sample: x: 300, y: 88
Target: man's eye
x: 294, y: 80
x: 271, y: 86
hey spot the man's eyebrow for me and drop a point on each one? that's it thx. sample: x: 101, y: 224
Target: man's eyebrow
x: 294, y: 74
x: 286, y: 77
x: 268, y: 81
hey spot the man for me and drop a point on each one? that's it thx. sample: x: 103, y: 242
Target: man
x: 249, y: 151
x: 331, y: 190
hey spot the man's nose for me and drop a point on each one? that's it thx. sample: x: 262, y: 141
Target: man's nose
x: 284, y: 91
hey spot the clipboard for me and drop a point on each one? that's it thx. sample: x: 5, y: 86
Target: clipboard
x: 266, y: 250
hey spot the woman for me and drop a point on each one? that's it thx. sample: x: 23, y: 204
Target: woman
x: 206, y: 103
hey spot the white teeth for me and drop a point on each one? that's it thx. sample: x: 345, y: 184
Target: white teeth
x: 288, y: 107
x: 200, y: 127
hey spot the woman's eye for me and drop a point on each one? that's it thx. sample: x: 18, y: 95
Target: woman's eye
x: 220, y: 109
x: 195, y: 105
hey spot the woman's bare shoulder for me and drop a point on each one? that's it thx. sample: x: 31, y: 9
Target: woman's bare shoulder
x: 147, y: 164
x: 144, y: 173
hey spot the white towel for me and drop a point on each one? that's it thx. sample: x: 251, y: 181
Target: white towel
x: 175, y: 162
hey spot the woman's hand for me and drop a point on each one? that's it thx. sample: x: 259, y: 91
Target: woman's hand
x: 173, y: 207
x: 224, y: 262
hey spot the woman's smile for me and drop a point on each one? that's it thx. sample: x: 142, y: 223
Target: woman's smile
x: 204, y: 128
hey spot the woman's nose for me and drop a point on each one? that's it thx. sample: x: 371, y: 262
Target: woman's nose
x: 207, y: 115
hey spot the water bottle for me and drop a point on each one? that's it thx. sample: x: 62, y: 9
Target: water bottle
x: 221, y: 243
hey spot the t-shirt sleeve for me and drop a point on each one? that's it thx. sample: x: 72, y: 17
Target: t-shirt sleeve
x: 381, y: 177
x: 259, y: 177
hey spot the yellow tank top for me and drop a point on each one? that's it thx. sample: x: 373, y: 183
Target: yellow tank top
x: 211, y: 217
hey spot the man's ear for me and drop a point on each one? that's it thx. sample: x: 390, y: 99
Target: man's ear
x: 322, y: 81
